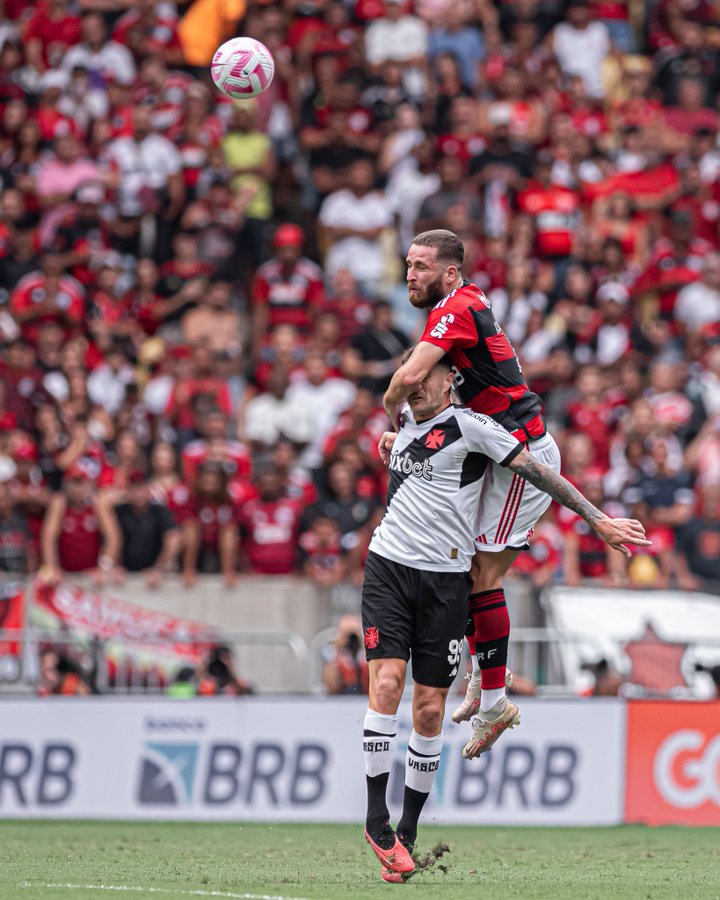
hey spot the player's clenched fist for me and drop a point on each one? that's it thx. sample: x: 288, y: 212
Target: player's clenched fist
x: 385, y: 445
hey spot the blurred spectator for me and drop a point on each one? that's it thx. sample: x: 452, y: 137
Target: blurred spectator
x: 220, y: 677
x: 344, y: 664
x: 149, y: 539
x: 209, y: 526
x: 352, y: 220
x: 60, y: 675
x: 375, y: 351
x: 321, y: 553
x: 79, y: 534
x: 402, y: 38
x: 460, y: 40
x: 581, y: 46
x: 699, y: 542
x: 17, y: 556
x: 287, y: 289
x: 270, y: 527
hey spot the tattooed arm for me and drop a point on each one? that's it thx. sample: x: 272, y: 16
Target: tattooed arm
x: 615, y: 532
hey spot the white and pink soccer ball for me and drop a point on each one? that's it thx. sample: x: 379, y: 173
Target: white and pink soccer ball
x: 242, y: 68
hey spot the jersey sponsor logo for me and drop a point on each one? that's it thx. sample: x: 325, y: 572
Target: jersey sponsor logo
x: 442, y: 327
x: 404, y: 463
x: 435, y: 439
x: 372, y: 637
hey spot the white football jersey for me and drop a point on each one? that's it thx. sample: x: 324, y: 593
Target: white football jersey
x: 432, y: 500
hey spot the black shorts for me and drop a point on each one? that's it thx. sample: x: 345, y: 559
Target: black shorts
x: 414, y: 612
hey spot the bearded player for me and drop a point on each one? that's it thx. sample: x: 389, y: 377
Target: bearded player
x: 488, y: 378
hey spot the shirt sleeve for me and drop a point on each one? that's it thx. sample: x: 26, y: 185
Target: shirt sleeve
x: 483, y: 435
x: 450, y: 326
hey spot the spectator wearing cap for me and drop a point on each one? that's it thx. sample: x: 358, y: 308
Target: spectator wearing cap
x: 103, y: 58
x: 581, y: 46
x: 49, y: 33
x: 150, y: 538
x: 249, y: 155
x: 287, y: 289
x: 399, y: 37
x: 79, y: 533
x: 48, y: 295
x: 460, y: 39
x: 17, y: 555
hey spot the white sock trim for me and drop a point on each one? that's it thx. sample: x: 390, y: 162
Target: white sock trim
x: 488, y: 699
x: 380, y: 723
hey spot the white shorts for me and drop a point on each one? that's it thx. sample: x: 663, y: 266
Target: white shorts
x: 510, y: 506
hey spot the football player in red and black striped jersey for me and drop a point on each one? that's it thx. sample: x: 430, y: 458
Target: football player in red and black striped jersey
x: 462, y: 327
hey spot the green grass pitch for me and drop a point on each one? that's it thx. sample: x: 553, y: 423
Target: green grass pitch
x: 69, y: 860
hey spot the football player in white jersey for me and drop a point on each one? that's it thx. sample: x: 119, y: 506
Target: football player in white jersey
x: 415, y: 591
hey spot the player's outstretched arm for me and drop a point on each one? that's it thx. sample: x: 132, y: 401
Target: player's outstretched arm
x: 617, y: 533
x: 409, y: 376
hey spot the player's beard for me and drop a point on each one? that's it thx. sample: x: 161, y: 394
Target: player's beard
x: 430, y: 295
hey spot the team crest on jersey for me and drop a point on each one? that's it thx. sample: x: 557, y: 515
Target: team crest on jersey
x: 435, y: 439
x: 372, y: 637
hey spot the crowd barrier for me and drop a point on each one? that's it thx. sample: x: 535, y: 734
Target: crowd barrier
x: 573, y: 762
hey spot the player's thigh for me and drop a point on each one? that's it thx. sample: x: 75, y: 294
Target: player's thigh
x: 509, y: 505
x: 440, y: 628
x: 388, y: 609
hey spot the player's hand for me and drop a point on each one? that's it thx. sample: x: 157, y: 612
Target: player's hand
x: 618, y: 533
x: 385, y: 445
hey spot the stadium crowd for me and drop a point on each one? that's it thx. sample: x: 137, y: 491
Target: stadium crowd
x: 202, y: 301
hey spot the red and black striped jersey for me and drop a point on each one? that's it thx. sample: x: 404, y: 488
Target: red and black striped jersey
x: 488, y: 377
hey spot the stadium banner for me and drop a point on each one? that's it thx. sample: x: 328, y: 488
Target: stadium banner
x: 673, y: 763
x: 295, y: 760
x: 133, y: 636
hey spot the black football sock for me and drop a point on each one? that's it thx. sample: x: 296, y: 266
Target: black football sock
x: 378, y: 738
x: 421, y: 765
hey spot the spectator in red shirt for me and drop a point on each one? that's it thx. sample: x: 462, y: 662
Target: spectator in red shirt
x: 194, y: 396
x: 554, y: 208
x: 49, y: 33
x: 78, y: 533
x: 321, y: 553
x: 286, y: 289
x: 48, y: 295
x: 209, y: 526
x: 146, y: 34
x: 270, y: 526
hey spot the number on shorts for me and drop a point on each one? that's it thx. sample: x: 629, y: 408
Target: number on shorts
x: 454, y: 652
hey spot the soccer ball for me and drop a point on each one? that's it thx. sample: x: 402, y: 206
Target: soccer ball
x: 242, y: 68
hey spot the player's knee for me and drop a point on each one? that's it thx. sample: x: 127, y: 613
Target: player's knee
x: 388, y: 691
x: 428, y: 714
